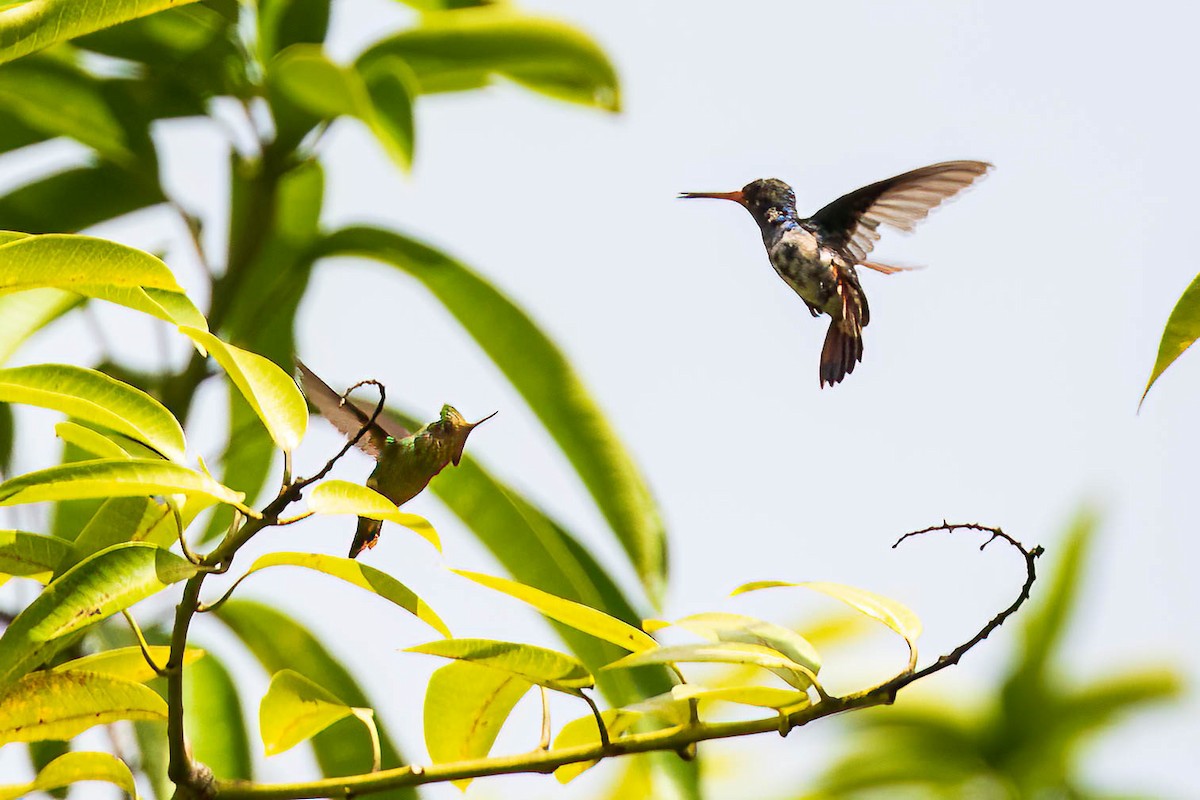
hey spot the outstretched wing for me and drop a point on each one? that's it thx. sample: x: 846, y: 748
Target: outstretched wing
x: 850, y: 223
x: 348, y: 418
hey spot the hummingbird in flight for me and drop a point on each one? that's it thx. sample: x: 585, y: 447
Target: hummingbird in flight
x: 818, y: 256
x: 407, y: 462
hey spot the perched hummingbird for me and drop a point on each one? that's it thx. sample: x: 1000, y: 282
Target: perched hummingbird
x: 817, y: 256
x: 407, y: 461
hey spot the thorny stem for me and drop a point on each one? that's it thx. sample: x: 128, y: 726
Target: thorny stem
x: 675, y: 738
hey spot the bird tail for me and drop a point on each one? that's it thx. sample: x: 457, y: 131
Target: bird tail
x: 366, y: 536
x: 843, y: 342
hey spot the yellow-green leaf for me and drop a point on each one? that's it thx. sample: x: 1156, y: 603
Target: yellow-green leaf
x: 583, y: 732
x: 269, y: 390
x: 61, y: 705
x: 95, y: 588
x: 92, y: 396
x: 343, y: 497
x: 127, y: 663
x: 31, y: 555
x: 295, y: 709
x: 71, y: 768
x: 89, y: 441
x: 28, y: 27
x: 568, y: 612
x: 1182, y: 329
x: 548, y: 668
x: 360, y: 575
x: 466, y: 704
x: 722, y: 653
x: 105, y: 477
x: 723, y: 627
x: 24, y: 313
x: 895, y: 615
x: 761, y: 696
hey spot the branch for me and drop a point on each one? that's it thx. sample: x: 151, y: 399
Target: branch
x: 677, y: 738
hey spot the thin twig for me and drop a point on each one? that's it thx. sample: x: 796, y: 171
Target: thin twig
x: 141, y: 640
x: 604, y: 740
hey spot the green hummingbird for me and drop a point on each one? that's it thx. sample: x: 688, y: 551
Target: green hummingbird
x: 406, y: 461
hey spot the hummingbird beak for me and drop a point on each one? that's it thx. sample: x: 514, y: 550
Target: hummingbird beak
x: 457, y: 456
x: 737, y: 197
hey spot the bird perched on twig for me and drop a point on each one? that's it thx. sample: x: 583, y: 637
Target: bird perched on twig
x: 407, y: 461
x: 817, y: 256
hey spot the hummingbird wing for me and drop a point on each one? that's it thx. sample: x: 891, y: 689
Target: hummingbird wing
x: 850, y: 223
x: 346, y: 417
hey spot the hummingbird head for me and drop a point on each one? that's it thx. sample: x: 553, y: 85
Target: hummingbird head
x: 769, y: 200
x: 455, y: 428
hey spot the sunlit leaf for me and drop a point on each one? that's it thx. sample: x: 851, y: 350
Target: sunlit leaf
x: 61, y: 705
x: 89, y: 441
x: 360, y: 575
x: 33, y: 26
x: 286, y: 22
x: 542, y: 374
x: 462, y: 49
x: 78, y: 197
x: 24, y: 313
x: 896, y: 616
x: 93, y: 589
x: 295, y: 709
x: 762, y: 696
x: 466, y: 704
x: 584, y: 731
x: 723, y: 653
x: 548, y: 668
x: 127, y: 663
x: 92, y: 396
x: 31, y: 555
x: 270, y: 391
x: 71, y: 768
x: 114, y: 478
x: 1182, y: 329
x: 577, y: 615
x: 343, y: 497
x: 279, y: 642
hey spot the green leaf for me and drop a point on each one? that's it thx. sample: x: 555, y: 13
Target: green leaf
x: 8, y: 438
x: 542, y: 374
x: 71, y: 768
x: 583, y: 731
x: 462, y: 49
x: 548, y: 668
x: 33, y: 26
x: 381, y: 98
x: 466, y: 704
x: 343, y: 497
x: 282, y: 23
x: 31, y: 555
x: 95, y: 588
x: 58, y: 99
x: 165, y: 39
x: 89, y: 441
x: 61, y: 705
x: 270, y: 391
x: 92, y: 396
x: 1183, y: 328
x: 896, y: 616
x: 96, y: 268
x: 279, y: 642
x: 360, y: 575
x: 23, y: 314
x: 723, y: 627
x: 78, y: 198
x: 127, y: 663
x: 761, y: 696
x: 295, y: 709
x: 215, y: 727
x: 41, y: 753
x: 133, y: 477
x: 577, y: 615
x: 722, y: 653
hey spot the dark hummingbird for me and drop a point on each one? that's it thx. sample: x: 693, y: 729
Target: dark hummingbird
x: 407, y: 461
x: 817, y: 256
